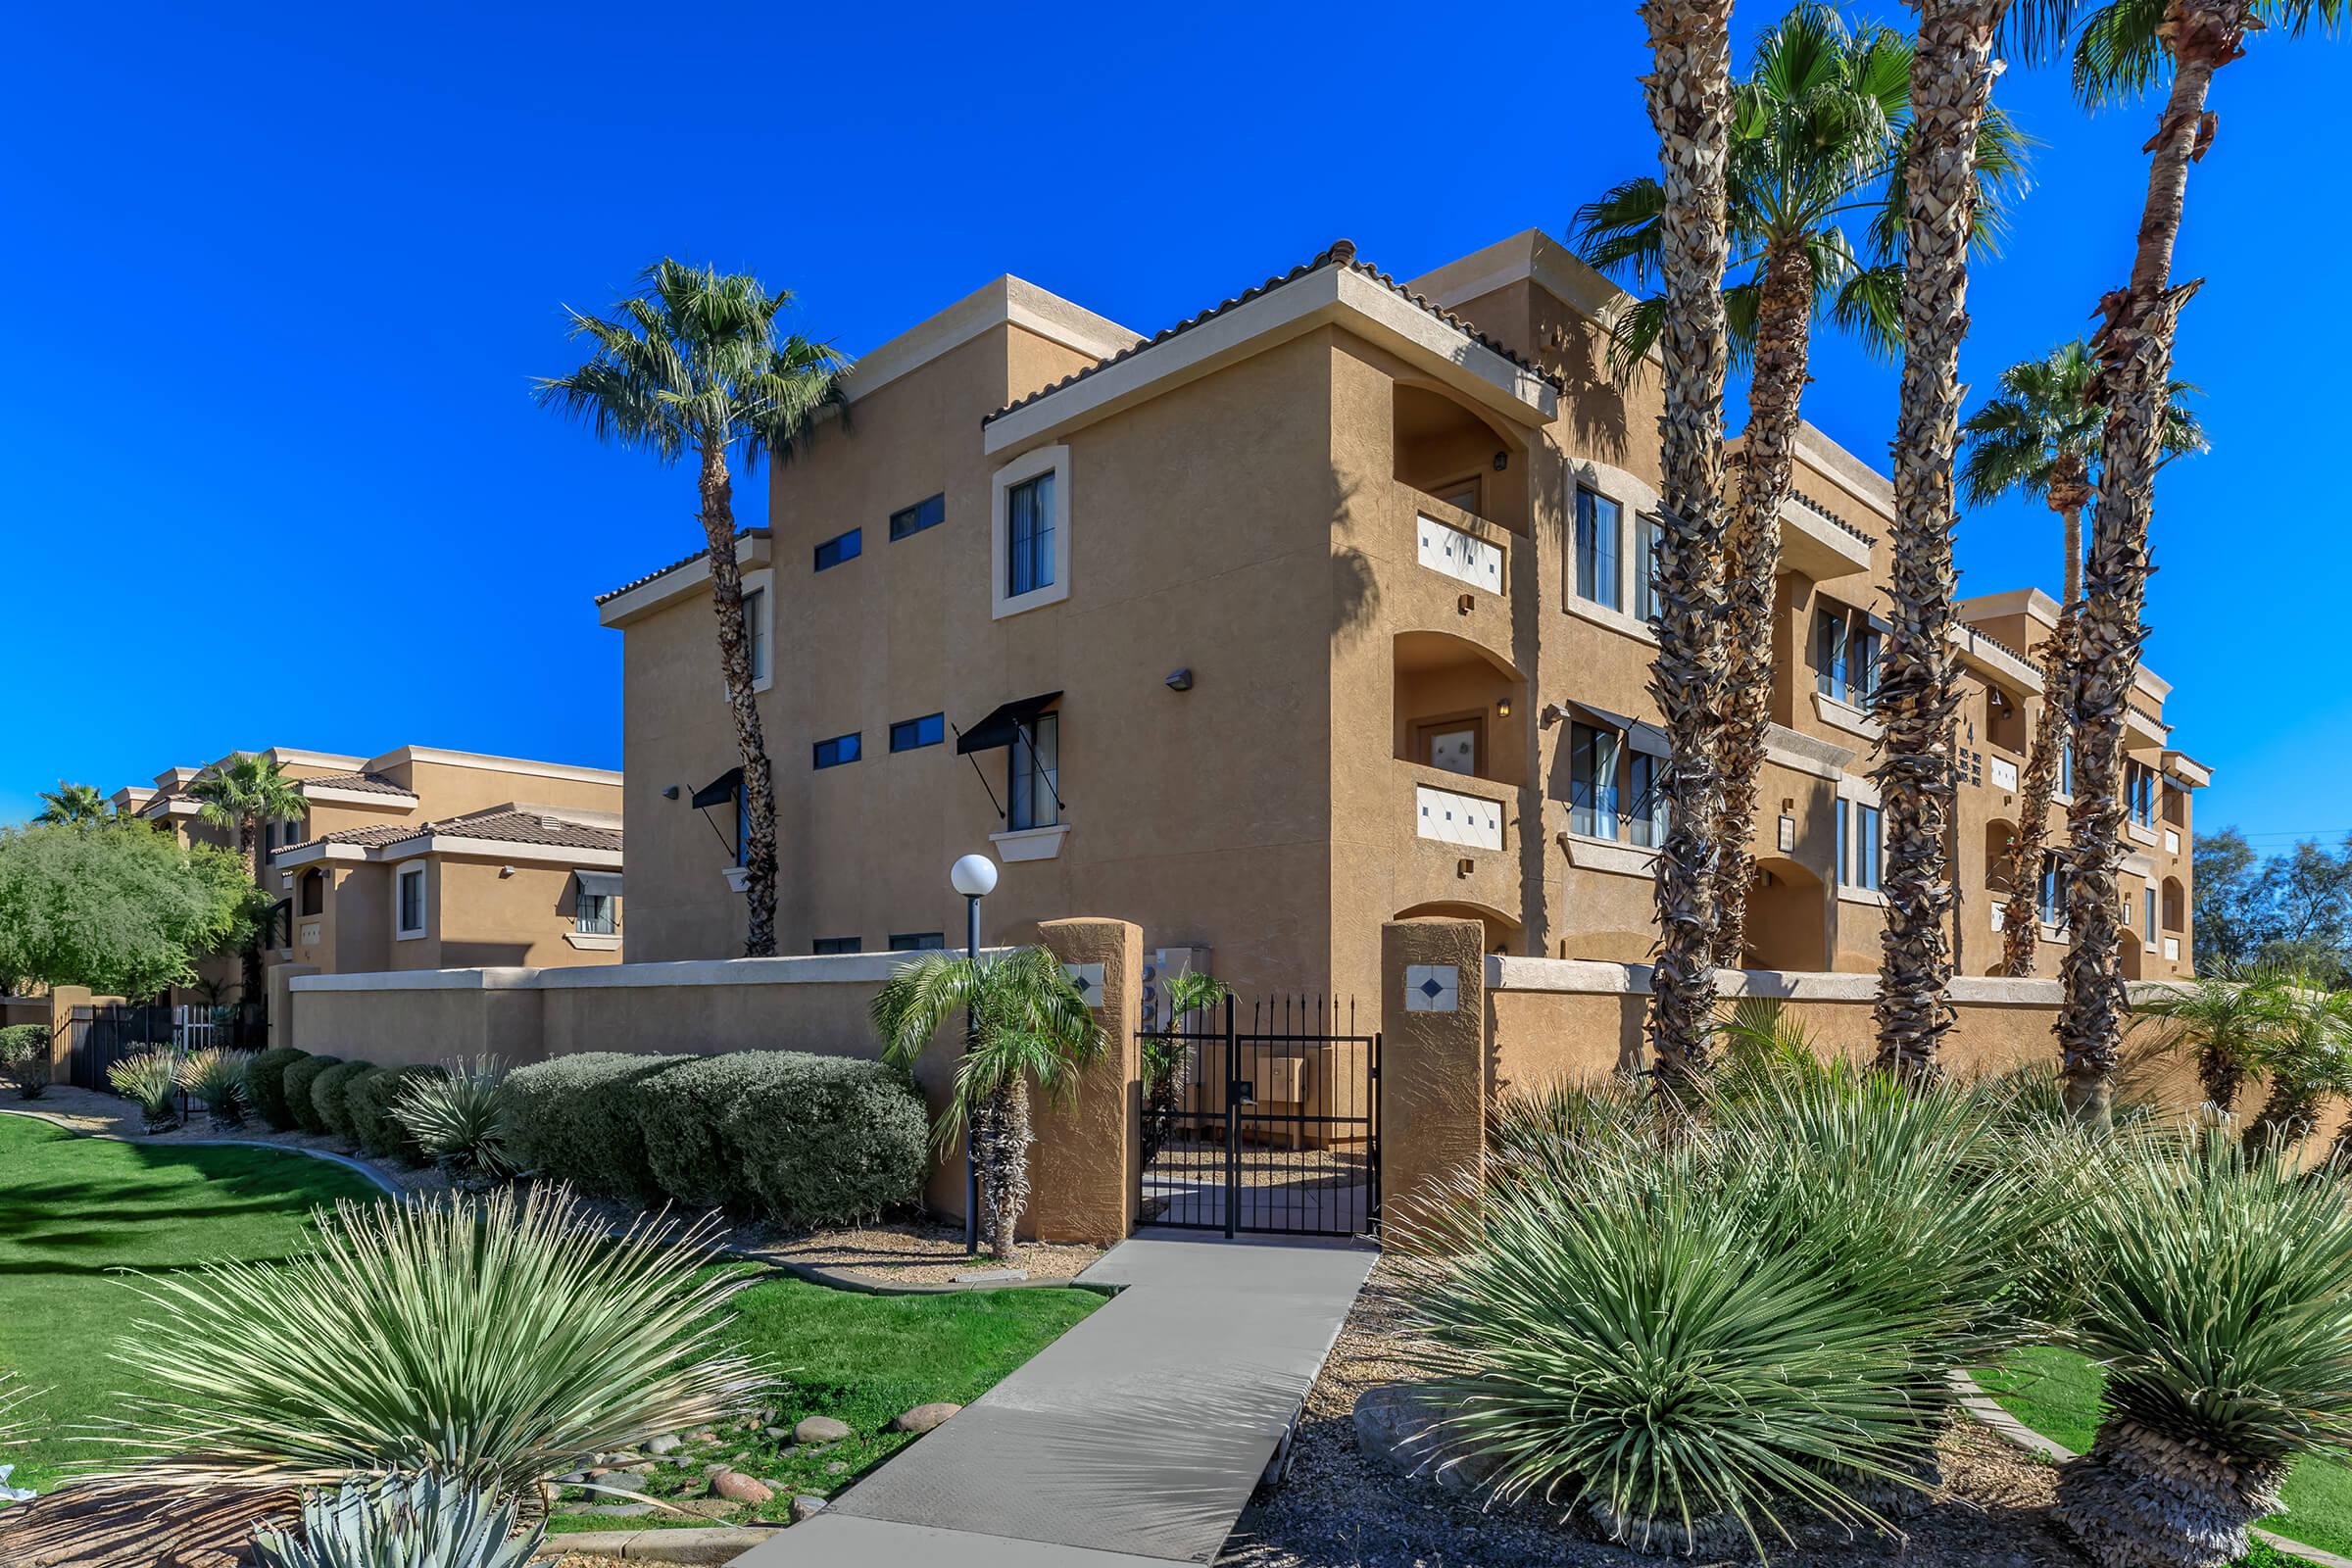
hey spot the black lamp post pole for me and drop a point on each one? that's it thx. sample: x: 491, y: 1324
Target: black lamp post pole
x: 971, y: 1039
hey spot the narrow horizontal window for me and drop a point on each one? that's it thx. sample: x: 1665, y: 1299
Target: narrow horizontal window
x: 911, y: 734
x: 837, y: 750
x: 917, y: 941
x: 834, y: 944
x: 928, y: 514
x: 839, y: 548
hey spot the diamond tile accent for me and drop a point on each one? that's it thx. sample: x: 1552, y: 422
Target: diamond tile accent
x: 1432, y: 988
x: 1088, y: 978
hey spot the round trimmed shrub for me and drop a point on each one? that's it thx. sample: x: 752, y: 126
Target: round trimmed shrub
x: 25, y: 1058
x: 828, y: 1140
x: 574, y: 1119
x: 370, y: 1099
x: 682, y: 1117
x: 266, y: 1085
x: 329, y: 1094
x: 301, y: 1078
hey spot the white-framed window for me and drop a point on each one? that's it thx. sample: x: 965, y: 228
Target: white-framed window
x: 1030, y: 532
x: 2053, y: 890
x: 1617, y: 781
x: 2139, y: 792
x: 594, y: 915
x: 408, y: 901
x: 1599, y: 528
x: 2148, y: 926
x: 1846, y: 647
x: 1861, y: 844
x: 1646, y: 798
x: 1593, y: 781
x: 759, y: 628
x: 1033, y: 781
x: 1646, y: 568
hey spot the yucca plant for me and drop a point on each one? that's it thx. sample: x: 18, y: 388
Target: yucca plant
x: 218, y: 1078
x: 494, y: 1341
x: 459, y: 1121
x: 1565, y: 1126
x: 150, y: 1080
x: 400, y: 1521
x: 1654, y: 1356
x: 11, y: 1395
x: 2220, y: 1304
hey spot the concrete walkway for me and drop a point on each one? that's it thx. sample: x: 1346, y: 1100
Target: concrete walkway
x: 1133, y: 1439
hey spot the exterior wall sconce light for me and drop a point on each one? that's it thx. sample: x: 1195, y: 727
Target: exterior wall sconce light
x: 1463, y: 604
x: 1464, y: 866
x: 1787, y: 834
x: 1552, y: 713
x: 1180, y: 680
x: 670, y: 793
x: 1503, y: 707
x: 1502, y: 461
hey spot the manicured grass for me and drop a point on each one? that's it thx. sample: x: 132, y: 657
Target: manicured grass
x: 75, y: 1209
x: 861, y: 1360
x: 2056, y: 1393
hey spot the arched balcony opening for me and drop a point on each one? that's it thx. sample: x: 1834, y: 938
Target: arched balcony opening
x: 1459, y: 708
x: 1786, y: 925
x: 1445, y: 450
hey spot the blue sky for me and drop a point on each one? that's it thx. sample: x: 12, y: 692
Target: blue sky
x: 271, y: 475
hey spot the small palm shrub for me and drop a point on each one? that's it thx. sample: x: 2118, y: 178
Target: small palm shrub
x: 25, y: 1058
x: 330, y: 1092
x: 151, y: 1080
x: 829, y: 1140
x: 399, y: 1521
x: 496, y: 1342
x: 2219, y: 1298
x: 458, y: 1120
x: 573, y: 1120
x: 217, y: 1079
x: 370, y: 1099
x: 301, y: 1078
x: 265, y: 1086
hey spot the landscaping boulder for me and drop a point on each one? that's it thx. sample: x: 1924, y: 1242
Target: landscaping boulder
x: 805, y: 1507
x: 820, y: 1429
x: 737, y: 1487
x: 923, y: 1417
x: 1399, y: 1425
x: 1710, y: 1537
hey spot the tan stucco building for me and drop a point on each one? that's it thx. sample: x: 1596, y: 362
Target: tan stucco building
x: 422, y: 858
x: 1322, y: 608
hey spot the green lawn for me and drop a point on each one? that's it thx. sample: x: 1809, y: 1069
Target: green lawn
x: 73, y: 1208
x: 2056, y: 1393
x: 861, y: 1360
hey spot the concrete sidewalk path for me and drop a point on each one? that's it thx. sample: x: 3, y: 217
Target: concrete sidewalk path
x: 1133, y: 1439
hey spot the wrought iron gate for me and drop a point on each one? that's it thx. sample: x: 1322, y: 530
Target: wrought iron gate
x: 1273, y: 1127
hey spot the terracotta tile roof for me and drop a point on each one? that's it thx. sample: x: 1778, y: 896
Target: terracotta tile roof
x: 741, y: 535
x: 1341, y: 254
x: 367, y: 783
x: 503, y: 824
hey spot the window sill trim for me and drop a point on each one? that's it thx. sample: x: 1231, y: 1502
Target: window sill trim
x: 408, y: 936
x: 590, y: 941
x: 1034, y: 598
x: 1870, y: 896
x: 1030, y: 842
x: 1845, y: 716
x: 2141, y: 835
x: 1610, y: 857
x: 1616, y: 620
x: 739, y: 877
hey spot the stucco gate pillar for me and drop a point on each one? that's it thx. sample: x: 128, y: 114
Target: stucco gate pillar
x: 1087, y: 1149
x: 1433, y: 1058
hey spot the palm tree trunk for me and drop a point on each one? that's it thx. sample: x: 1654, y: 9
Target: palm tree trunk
x: 1004, y: 1165
x: 2141, y: 1499
x: 2289, y: 1114
x: 1951, y: 85
x: 1775, y: 404
x: 2220, y: 1074
x: 2021, y: 917
x: 2134, y: 349
x: 735, y: 660
x: 249, y: 963
x: 1689, y: 89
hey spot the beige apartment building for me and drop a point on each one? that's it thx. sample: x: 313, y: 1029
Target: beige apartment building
x: 1320, y: 609
x: 424, y: 859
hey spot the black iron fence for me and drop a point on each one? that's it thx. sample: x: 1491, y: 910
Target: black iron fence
x: 100, y: 1035
x: 1262, y: 1117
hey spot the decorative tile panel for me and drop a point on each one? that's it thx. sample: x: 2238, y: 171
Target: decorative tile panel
x: 1449, y: 817
x: 1446, y: 548
x: 1432, y: 988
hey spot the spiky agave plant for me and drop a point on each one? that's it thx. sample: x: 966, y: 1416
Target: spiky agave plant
x: 400, y: 1521
x: 2220, y: 1303
x: 494, y: 1341
x: 150, y: 1080
x: 1631, y: 1341
x: 460, y: 1120
x: 218, y: 1078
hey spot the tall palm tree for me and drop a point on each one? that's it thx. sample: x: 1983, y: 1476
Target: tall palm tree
x: 1817, y: 136
x: 72, y: 802
x: 1690, y: 94
x: 2126, y: 47
x: 2228, y: 1021
x: 693, y: 365
x: 2040, y: 437
x: 242, y: 794
x: 1028, y: 1022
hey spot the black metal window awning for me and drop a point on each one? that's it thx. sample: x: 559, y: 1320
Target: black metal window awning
x: 599, y: 884
x: 1002, y: 725
x: 720, y: 790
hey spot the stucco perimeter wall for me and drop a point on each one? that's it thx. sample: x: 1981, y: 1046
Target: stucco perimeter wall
x: 1550, y: 1018
x: 1084, y: 1183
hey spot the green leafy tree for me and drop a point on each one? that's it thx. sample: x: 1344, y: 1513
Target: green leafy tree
x: 1028, y: 1023
x: 119, y: 909
x: 693, y: 366
x: 2039, y: 436
x: 72, y: 802
x: 1817, y: 142
x: 240, y: 795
